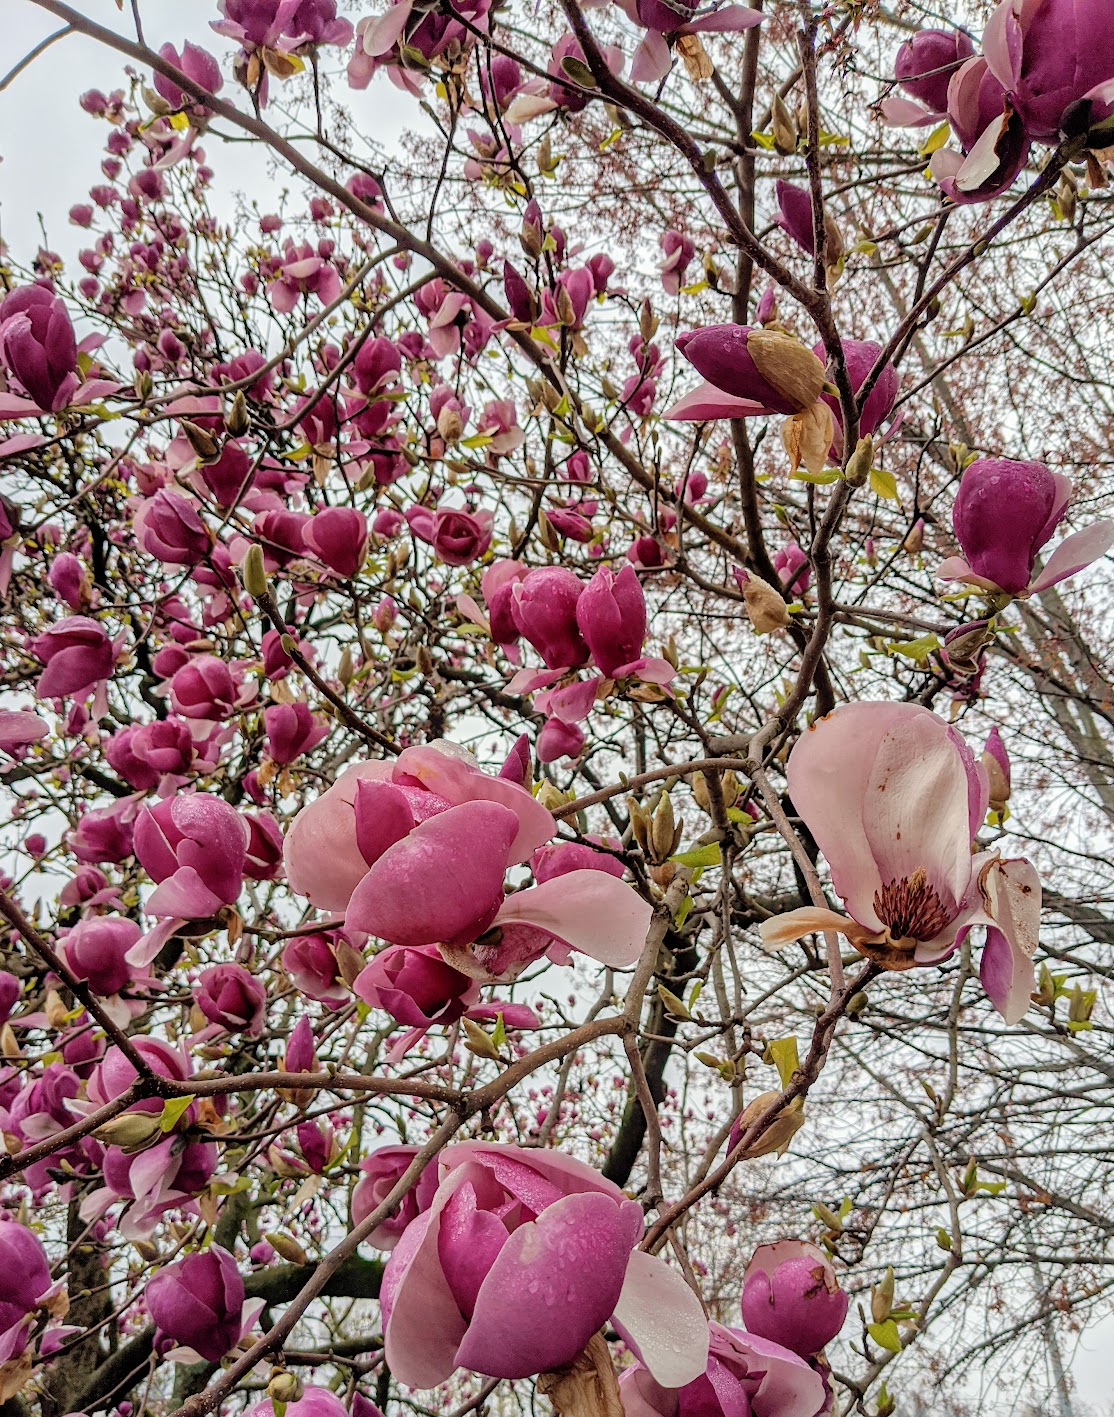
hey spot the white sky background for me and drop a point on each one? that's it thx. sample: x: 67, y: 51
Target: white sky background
x: 51, y: 153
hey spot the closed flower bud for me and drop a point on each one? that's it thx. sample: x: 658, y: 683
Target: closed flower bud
x: 765, y: 608
x: 882, y: 1297
x: 131, y: 1131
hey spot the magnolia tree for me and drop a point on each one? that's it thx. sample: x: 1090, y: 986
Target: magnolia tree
x: 550, y: 687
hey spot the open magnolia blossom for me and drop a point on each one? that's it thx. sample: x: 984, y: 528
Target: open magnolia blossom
x: 520, y: 1259
x: 746, y: 1376
x: 893, y: 796
x: 415, y: 852
x: 1003, y: 514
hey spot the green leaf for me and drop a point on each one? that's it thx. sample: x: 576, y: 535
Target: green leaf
x: 695, y: 993
x: 935, y: 140
x: 674, y: 1005
x: 782, y: 1053
x: 944, y: 1239
x: 709, y: 855
x: 499, y: 1032
x: 916, y: 650
x: 173, y: 1110
x: 886, y: 1335
x: 821, y: 479
x: 683, y: 911
x: 883, y: 484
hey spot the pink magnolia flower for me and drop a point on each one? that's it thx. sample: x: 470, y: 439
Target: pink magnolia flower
x: 893, y: 797
x: 204, y: 688
x: 96, y: 950
x: 381, y: 39
x: 415, y: 852
x: 543, y: 608
x: 745, y: 1375
x: 747, y: 371
x: 228, y: 996
x: 860, y: 357
x: 78, y: 655
x: 923, y: 68
x: 990, y: 131
x: 795, y: 219
x: 418, y: 988
x: 520, y: 1258
x: 106, y: 833
x: 199, y: 1303
x: 498, y: 585
x: 611, y: 615
x: 303, y: 272
x: 1050, y: 55
x: 27, y: 1284
x: 312, y: 965
x: 39, y: 347
x: 381, y: 1173
x: 292, y: 729
x: 193, y: 847
x: 1003, y: 514
x: 338, y: 537
x: 459, y: 535
x: 197, y: 64
x: 661, y: 18
x: 560, y: 738
x: 791, y: 1297
x: 169, y: 528
x: 678, y: 251
x: 793, y: 568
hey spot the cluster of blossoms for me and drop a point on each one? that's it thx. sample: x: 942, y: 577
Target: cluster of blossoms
x: 1046, y: 72
x: 261, y: 496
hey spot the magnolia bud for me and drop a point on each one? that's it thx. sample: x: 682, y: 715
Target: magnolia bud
x: 882, y: 1297
x: 349, y: 961
x: 665, y: 834
x: 783, y: 126
x: 640, y: 825
x: 131, y: 1131
x: 778, y: 1134
x: 764, y: 606
x: 450, y: 425
x: 914, y: 540
x: 286, y: 1246
x: 237, y: 419
x: 200, y: 440
x: 285, y: 1387
x: 859, y: 463
x: 253, y: 573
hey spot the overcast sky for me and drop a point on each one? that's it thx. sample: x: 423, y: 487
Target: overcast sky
x: 51, y: 154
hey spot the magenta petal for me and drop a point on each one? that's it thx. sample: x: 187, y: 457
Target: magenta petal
x: 555, y: 1283
x: 468, y: 1243
x: 383, y: 816
x: 441, y: 883
x: 1007, y: 976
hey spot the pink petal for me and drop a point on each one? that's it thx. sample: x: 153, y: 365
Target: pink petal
x: 916, y: 805
x: 422, y: 1325
x: 379, y: 36
x: 1074, y: 553
x: 663, y: 1321
x: 781, y: 930
x: 185, y: 894
x: 442, y: 882
x: 651, y: 59
x: 383, y: 816
x: 728, y: 20
x: 321, y: 854
x: 589, y: 911
x: 456, y: 780
x: 1011, y: 893
x: 983, y: 160
x: 906, y: 113
x: 1007, y: 976
x: 1002, y: 43
x: 706, y: 402
x: 468, y: 1243
x: 553, y: 1285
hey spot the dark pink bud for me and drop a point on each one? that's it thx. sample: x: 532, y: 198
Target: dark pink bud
x: 38, y: 344
x: 1003, y: 514
x: 203, y: 688
x: 168, y: 527
x: 338, y: 536
x: 78, y: 655
x: 311, y: 962
x: 228, y: 996
x: 95, y: 950
x: 292, y: 730
x: 198, y: 1302
x: 611, y: 615
x: 263, y: 860
x: 544, y: 609
x: 791, y: 1296
x: 559, y: 739
x: 300, y: 1056
x: 70, y: 581
x: 925, y: 64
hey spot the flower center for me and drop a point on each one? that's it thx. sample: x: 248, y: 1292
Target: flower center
x: 911, y: 909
